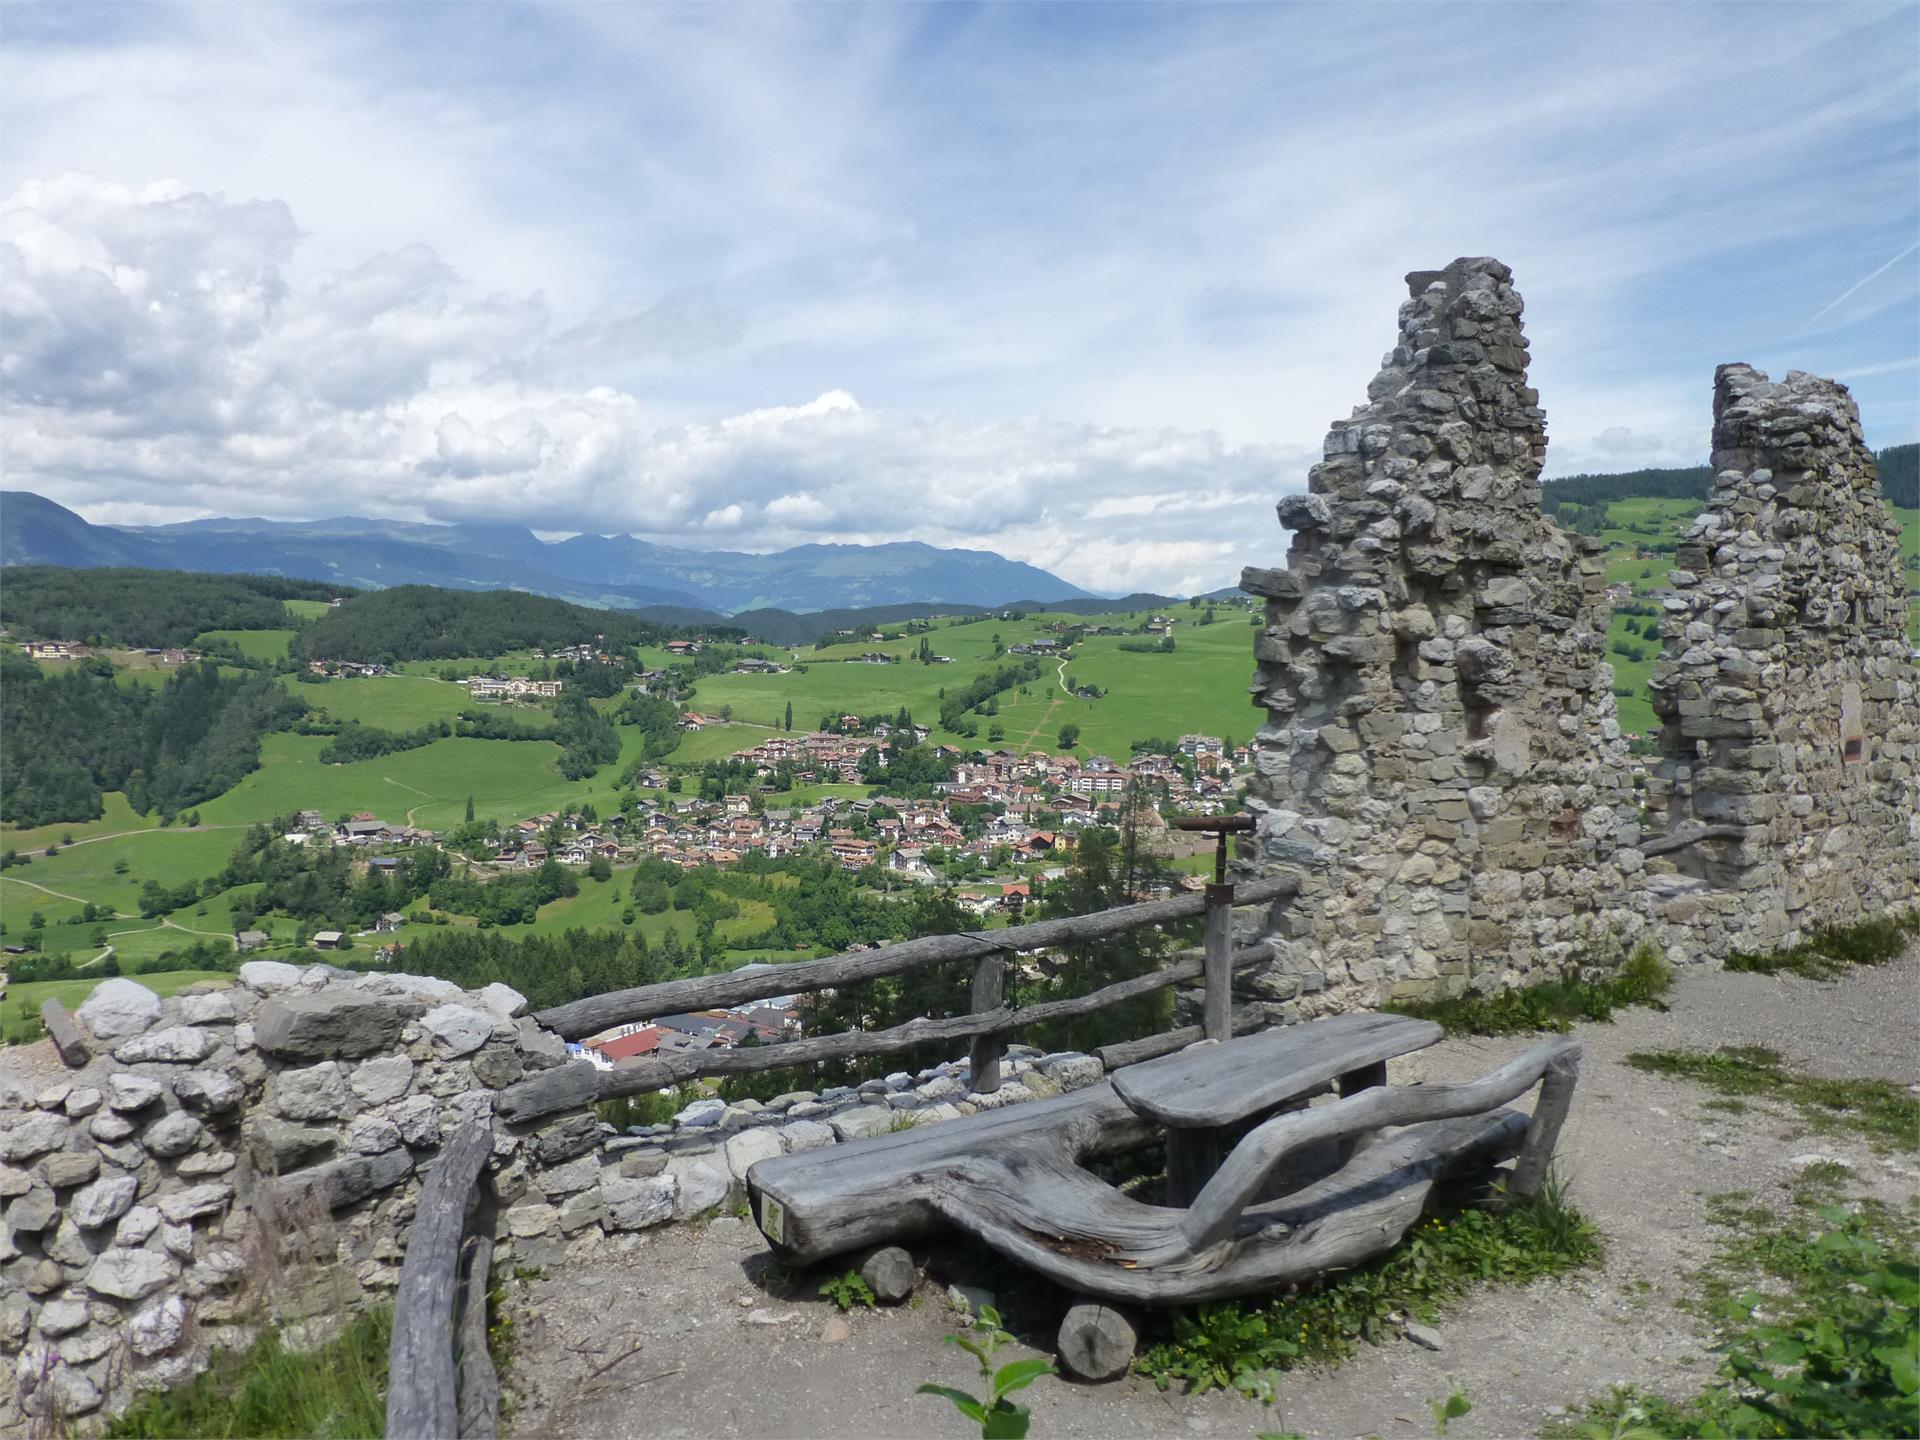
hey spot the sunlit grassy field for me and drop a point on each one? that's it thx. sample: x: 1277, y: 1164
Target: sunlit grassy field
x: 392, y: 702
x: 255, y: 644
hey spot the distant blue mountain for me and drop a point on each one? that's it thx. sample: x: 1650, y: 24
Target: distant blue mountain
x: 602, y: 570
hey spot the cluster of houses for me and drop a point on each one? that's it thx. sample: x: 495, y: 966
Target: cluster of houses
x: 76, y: 650
x: 347, y: 669
x: 511, y: 687
x: 765, y: 1022
x: 525, y: 845
x: 363, y: 828
x: 1010, y: 802
x: 586, y: 652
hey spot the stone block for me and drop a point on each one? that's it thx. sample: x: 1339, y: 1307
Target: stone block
x: 330, y: 1024
x: 315, y: 1092
x: 118, y: 1009
x: 749, y: 1147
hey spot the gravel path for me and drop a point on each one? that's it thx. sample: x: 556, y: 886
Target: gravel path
x: 677, y: 1338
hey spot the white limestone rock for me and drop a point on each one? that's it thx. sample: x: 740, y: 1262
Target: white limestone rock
x: 131, y: 1092
x: 130, y: 1274
x: 503, y: 1000
x: 749, y: 1147
x: 457, y: 1029
x: 157, y: 1328
x: 270, y: 977
x: 175, y: 1045
x: 118, y: 1008
x: 103, y: 1202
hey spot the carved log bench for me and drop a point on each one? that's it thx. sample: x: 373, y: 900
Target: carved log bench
x: 1017, y: 1180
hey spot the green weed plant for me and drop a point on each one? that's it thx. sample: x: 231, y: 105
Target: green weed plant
x: 1232, y: 1343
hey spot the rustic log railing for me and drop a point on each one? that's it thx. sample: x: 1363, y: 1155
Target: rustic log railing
x: 990, y: 1016
x: 434, y: 1314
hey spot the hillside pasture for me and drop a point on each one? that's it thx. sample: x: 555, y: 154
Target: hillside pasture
x: 268, y: 645
x: 508, y: 780
x: 116, y: 816
x: 392, y: 702
x: 306, y: 609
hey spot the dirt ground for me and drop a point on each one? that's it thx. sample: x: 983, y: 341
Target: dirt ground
x: 679, y: 1336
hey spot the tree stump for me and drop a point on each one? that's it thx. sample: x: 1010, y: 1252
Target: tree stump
x: 1097, y: 1340
x: 890, y: 1273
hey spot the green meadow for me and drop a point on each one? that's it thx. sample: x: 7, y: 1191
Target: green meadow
x: 306, y: 609
x: 392, y: 702
x: 268, y: 645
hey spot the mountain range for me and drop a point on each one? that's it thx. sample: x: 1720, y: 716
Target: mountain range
x: 599, y: 570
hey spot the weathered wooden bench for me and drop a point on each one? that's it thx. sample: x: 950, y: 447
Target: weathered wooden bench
x: 1017, y: 1179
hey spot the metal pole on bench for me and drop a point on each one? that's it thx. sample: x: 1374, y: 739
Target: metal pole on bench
x: 1216, y: 1011
x: 989, y: 989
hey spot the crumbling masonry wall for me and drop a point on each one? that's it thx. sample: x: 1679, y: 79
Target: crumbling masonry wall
x: 1790, y: 707
x: 1442, y: 763
x: 232, y: 1157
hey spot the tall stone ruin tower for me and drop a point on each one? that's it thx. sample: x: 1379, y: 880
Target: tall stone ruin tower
x: 1791, y: 709
x: 1442, y: 761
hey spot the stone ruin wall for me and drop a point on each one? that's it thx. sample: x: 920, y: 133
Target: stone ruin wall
x: 228, y: 1157
x: 1442, y: 762
x: 1786, y: 690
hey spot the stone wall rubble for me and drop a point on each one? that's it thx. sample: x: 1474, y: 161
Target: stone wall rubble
x: 1442, y: 762
x: 201, y: 1138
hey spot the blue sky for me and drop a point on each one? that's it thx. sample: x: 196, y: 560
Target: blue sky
x: 1080, y: 283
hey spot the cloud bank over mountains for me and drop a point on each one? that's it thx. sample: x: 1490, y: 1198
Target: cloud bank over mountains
x: 159, y: 364
x: 1083, y: 285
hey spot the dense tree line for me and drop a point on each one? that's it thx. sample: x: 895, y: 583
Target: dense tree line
x: 144, y: 608
x: 587, y: 738
x: 65, y: 738
x: 355, y: 741
x: 955, y: 704
x: 1899, y: 467
x: 1691, y: 483
x: 550, y: 970
x: 423, y: 622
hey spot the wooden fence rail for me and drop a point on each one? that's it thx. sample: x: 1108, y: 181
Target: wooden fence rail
x: 706, y: 992
x: 424, y: 1395
x: 990, y: 1017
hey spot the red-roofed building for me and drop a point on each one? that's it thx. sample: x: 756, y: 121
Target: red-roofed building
x: 640, y: 1042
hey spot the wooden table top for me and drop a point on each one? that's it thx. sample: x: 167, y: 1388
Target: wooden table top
x: 1207, y: 1085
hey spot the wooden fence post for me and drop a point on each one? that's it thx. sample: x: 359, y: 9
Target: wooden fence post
x: 1216, y: 1013
x: 1531, y: 1168
x: 983, y: 1059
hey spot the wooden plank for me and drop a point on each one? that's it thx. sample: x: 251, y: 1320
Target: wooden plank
x: 1203, y: 1086
x: 479, y: 1381
x: 67, y: 1039
x: 847, y: 1197
x: 989, y: 988
x: 1536, y: 1153
x: 1192, y: 1158
x: 570, y: 1086
x: 598, y: 1012
x: 1216, y: 1211
x: 421, y: 1394
x: 1151, y: 1047
x: 1217, y: 1003
x: 1064, y: 1223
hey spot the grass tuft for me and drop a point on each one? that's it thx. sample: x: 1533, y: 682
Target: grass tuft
x: 1553, y: 1005
x: 1885, y: 1113
x: 1819, y: 1329
x: 1233, y: 1343
x: 333, y: 1392
x: 1835, y: 950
